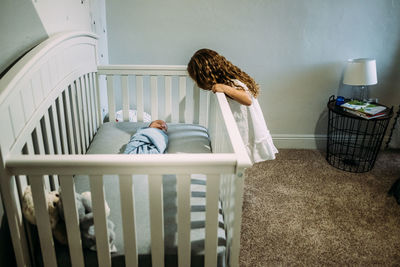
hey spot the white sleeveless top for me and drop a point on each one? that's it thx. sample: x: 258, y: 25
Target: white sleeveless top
x: 253, y: 129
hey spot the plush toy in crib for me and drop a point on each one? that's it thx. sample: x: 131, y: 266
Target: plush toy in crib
x: 28, y: 210
x: 53, y: 199
x: 86, y: 221
x: 57, y: 223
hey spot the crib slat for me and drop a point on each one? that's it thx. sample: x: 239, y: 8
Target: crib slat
x: 226, y: 206
x: 47, y: 182
x: 182, y: 99
x: 189, y: 105
x: 211, y: 242
x: 71, y: 220
x: 196, y: 104
x: 76, y: 121
x: 100, y: 222
x: 125, y: 98
x: 85, y: 111
x: 83, y: 105
x: 89, y: 105
x: 62, y: 123
x: 154, y: 97
x: 184, y: 246
x: 22, y: 183
x: 39, y: 139
x: 97, y: 92
x: 47, y: 127
x: 43, y: 221
x: 29, y: 146
x: 92, y: 102
x: 69, y: 118
x: 128, y: 220
x: 204, y: 104
x: 28, y: 234
x: 55, y: 182
x: 156, y: 220
x: 111, y: 97
x: 51, y: 180
x: 228, y: 202
x: 139, y: 95
x: 168, y: 99
x: 56, y: 129
x: 239, y: 183
x: 82, y: 117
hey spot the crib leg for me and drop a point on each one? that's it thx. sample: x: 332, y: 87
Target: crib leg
x: 14, y: 217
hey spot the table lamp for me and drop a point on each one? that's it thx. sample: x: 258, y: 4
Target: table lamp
x: 360, y: 73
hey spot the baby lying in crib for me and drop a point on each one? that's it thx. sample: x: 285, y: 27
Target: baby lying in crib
x: 149, y: 140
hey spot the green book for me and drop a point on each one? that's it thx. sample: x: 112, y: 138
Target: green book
x: 360, y: 106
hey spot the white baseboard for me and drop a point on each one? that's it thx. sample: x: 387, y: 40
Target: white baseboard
x: 300, y: 141
x: 305, y: 141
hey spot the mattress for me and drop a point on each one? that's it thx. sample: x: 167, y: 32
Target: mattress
x: 183, y: 138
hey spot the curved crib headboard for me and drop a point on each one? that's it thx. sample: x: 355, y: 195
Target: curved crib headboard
x: 29, y: 88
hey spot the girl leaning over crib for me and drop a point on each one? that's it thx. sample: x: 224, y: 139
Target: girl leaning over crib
x: 212, y: 71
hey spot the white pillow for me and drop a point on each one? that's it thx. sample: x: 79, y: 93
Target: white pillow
x: 132, y: 116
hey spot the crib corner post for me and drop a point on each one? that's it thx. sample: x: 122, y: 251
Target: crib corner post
x: 14, y: 217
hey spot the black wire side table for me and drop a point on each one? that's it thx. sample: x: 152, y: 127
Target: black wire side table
x: 354, y: 142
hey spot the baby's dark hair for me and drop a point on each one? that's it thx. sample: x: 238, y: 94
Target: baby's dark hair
x: 207, y: 67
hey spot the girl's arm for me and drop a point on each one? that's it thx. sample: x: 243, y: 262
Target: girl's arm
x: 238, y: 95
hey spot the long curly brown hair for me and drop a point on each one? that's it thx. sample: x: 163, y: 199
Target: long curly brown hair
x: 207, y: 67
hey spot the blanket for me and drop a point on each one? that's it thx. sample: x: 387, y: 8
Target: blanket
x: 147, y: 141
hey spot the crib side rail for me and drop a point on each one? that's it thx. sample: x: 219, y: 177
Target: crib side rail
x: 121, y: 164
x: 37, y: 166
x: 158, y: 91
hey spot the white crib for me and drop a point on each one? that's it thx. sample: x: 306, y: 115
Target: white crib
x: 52, y: 103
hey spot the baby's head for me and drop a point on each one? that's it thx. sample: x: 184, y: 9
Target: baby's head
x: 159, y: 124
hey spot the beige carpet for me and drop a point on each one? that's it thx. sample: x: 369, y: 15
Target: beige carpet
x: 300, y: 211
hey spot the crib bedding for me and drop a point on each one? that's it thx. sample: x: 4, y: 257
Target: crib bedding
x: 112, y: 138
x: 183, y: 138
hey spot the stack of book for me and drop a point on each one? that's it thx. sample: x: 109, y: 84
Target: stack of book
x: 364, y: 109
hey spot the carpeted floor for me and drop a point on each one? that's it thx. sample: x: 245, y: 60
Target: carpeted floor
x: 300, y: 211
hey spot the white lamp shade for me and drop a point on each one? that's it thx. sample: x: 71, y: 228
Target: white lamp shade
x: 360, y: 71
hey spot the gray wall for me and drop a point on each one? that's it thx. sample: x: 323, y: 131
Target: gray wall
x: 296, y: 50
x: 20, y: 30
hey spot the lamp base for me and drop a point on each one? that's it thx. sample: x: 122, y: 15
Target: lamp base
x: 361, y: 93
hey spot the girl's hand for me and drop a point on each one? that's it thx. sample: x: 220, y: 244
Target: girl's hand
x: 238, y: 95
x: 218, y: 87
